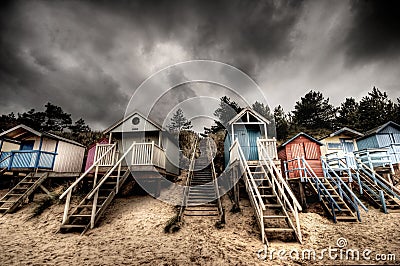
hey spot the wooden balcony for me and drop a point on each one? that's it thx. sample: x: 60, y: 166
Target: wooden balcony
x: 27, y: 159
x: 144, y: 156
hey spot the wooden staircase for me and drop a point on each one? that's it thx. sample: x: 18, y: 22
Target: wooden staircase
x: 375, y: 191
x: 201, y: 199
x: 275, y: 217
x: 89, y: 210
x: 331, y: 200
x: 21, y: 192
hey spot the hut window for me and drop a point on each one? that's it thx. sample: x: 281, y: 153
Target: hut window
x: 135, y: 120
x: 334, y: 146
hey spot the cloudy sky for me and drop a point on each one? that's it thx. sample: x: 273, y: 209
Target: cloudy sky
x: 90, y: 56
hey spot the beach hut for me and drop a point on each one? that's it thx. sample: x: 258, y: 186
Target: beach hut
x: 300, y: 146
x: 155, y: 148
x: 340, y: 145
x: 382, y: 144
x: 23, y: 149
x: 248, y: 126
x: 92, y: 152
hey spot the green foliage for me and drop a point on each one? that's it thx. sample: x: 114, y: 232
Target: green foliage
x: 263, y: 110
x: 179, y: 122
x: 348, y: 115
x: 313, y: 111
x: 227, y: 110
x: 281, y: 122
x: 84, y: 138
x: 53, y: 119
x: 375, y: 109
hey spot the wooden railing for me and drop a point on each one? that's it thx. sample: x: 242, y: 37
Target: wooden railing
x: 95, y: 191
x: 285, y: 196
x: 28, y: 159
x: 68, y: 192
x: 269, y: 147
x: 148, y: 153
x: 345, y: 192
x: 109, y: 158
x: 375, y: 158
x: 188, y: 179
x: 215, y: 179
x: 307, y: 174
x: 236, y: 153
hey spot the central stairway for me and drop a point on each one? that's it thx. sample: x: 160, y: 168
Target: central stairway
x: 202, y: 195
x: 275, y: 206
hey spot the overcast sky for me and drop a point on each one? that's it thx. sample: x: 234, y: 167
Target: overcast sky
x: 90, y: 56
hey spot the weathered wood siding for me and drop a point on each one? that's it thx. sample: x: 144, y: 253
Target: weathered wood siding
x: 91, y: 153
x: 335, y: 139
x: 69, y: 158
x: 368, y: 143
x: 301, y: 147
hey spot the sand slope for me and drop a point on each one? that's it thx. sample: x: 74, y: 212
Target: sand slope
x: 131, y: 233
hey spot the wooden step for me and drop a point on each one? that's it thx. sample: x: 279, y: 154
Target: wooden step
x: 273, y: 205
x: 272, y: 230
x: 80, y: 215
x: 73, y: 226
x: 274, y: 216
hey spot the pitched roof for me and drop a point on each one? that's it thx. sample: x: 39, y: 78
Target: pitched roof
x: 343, y: 130
x: 378, y: 129
x: 301, y: 134
x: 254, y: 113
x: 121, y: 121
x: 19, y: 131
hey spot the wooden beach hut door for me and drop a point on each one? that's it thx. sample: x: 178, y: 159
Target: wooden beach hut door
x: 296, y: 150
x: 248, y: 142
x: 348, y: 148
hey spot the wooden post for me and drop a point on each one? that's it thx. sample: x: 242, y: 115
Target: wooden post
x: 94, y: 209
x: 303, y: 200
x: 66, y: 208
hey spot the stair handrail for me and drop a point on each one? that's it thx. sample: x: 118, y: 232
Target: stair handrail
x: 86, y: 172
x: 319, y: 184
x: 215, y: 178
x: 266, y: 158
x: 252, y: 182
x: 379, y: 179
x: 251, y: 187
x: 109, y: 172
x: 188, y: 179
x: 284, y: 189
x: 340, y: 184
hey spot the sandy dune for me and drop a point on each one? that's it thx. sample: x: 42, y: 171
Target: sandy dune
x: 131, y: 233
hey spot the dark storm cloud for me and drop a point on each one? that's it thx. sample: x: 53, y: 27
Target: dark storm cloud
x: 375, y: 31
x: 90, y: 56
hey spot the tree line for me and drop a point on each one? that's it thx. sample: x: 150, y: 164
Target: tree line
x: 315, y: 115
x: 52, y: 119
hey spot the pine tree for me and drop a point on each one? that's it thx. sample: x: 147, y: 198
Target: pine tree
x: 375, y: 109
x: 56, y: 118
x: 263, y: 110
x: 179, y: 122
x: 348, y: 114
x: 282, y: 123
x: 227, y: 110
x: 313, y: 111
x: 80, y: 126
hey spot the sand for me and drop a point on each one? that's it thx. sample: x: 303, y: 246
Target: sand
x: 132, y: 233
